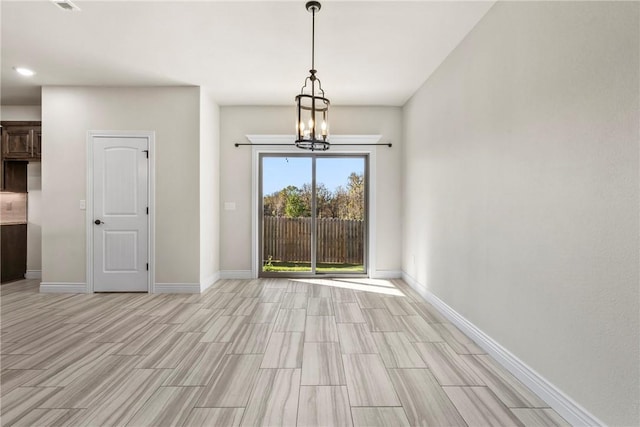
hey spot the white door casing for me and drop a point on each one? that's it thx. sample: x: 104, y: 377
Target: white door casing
x: 357, y: 144
x: 119, y: 215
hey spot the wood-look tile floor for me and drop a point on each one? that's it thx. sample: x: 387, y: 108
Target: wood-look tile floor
x: 343, y: 352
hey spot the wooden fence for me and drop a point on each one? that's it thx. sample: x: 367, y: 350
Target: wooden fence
x: 289, y: 239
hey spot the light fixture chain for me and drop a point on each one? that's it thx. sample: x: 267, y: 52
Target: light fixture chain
x: 313, y: 38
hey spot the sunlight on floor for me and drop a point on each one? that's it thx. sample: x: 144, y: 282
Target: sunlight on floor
x: 378, y: 286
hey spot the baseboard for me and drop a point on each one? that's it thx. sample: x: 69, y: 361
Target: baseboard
x: 33, y: 274
x: 207, y: 282
x: 236, y: 274
x: 386, y: 274
x: 248, y: 274
x: 63, y: 288
x: 575, y: 414
x: 177, y: 288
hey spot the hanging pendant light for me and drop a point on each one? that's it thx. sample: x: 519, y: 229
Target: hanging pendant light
x: 312, y: 125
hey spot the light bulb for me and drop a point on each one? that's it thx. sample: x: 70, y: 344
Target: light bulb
x: 24, y: 71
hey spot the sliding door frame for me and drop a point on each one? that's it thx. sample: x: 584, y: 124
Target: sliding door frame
x: 262, y: 146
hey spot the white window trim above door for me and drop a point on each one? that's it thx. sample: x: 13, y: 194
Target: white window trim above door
x: 262, y: 146
x: 89, y: 214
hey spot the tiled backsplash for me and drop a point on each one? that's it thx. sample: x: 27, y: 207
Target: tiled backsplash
x: 13, y: 208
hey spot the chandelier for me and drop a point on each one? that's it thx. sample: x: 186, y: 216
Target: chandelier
x: 312, y: 125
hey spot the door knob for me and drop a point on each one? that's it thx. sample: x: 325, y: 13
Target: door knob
x: 98, y: 222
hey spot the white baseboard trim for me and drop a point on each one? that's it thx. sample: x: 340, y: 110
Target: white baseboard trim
x: 177, y: 288
x: 63, y: 288
x: 248, y: 274
x: 207, y: 282
x: 236, y: 274
x: 386, y: 274
x: 575, y: 414
x: 33, y: 274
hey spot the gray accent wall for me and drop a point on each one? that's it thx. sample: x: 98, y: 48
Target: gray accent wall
x: 520, y: 183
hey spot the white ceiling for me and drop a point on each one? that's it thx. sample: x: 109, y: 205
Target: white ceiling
x: 242, y: 52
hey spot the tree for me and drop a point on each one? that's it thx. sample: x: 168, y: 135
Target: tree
x: 324, y: 199
x: 295, y: 206
x: 274, y: 203
x: 343, y: 203
x: 355, y: 201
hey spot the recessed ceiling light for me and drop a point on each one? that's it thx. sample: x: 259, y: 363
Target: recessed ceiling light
x: 65, y: 5
x: 24, y: 71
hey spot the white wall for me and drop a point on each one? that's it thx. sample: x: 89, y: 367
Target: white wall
x: 30, y: 113
x: 209, y: 191
x: 173, y: 113
x: 521, y: 192
x: 34, y: 219
x: 235, y: 169
x: 34, y: 187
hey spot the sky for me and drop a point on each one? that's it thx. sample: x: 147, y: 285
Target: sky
x: 280, y: 172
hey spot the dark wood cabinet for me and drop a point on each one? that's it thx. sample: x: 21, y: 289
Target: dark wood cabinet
x: 17, y: 143
x: 13, y: 247
x: 37, y: 142
x: 15, y: 176
x: 21, y: 141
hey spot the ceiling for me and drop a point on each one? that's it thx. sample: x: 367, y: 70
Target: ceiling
x: 242, y: 52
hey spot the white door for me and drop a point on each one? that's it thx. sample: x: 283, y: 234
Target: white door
x: 120, y: 214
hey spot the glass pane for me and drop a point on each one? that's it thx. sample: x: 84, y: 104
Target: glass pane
x: 286, y: 219
x: 340, y: 209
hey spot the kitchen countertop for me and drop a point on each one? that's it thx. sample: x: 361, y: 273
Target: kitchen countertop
x: 13, y: 223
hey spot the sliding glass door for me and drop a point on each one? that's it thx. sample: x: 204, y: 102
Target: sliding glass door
x: 314, y: 214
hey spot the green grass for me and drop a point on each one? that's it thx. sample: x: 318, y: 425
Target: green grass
x: 278, y: 267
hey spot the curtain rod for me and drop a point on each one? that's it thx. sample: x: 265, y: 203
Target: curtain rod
x: 387, y: 144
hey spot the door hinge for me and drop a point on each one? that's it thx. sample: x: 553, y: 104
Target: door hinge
x: 147, y: 210
x: 146, y: 152
x: 147, y: 266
